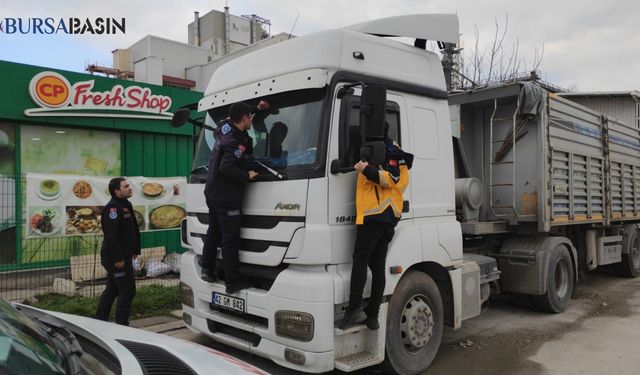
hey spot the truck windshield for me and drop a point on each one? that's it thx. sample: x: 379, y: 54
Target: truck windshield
x: 285, y: 137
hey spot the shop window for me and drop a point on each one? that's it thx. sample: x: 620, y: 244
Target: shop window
x: 54, y: 150
x: 70, y: 151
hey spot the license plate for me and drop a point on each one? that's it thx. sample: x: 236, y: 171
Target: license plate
x: 228, y: 302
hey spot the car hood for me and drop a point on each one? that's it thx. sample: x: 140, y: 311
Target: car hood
x: 201, y: 359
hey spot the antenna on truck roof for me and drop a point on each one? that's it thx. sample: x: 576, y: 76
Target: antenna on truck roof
x: 294, y: 25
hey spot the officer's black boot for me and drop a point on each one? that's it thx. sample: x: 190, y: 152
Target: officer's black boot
x: 208, y: 275
x: 351, y: 318
x: 372, y: 322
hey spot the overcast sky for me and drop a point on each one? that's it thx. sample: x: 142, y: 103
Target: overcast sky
x: 589, y: 45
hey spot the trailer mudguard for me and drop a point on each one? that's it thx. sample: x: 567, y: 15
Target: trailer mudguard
x: 523, y: 263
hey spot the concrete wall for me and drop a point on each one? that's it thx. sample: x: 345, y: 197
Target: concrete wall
x: 176, y: 56
x: 211, y: 31
x: 122, y: 59
x: 149, y: 69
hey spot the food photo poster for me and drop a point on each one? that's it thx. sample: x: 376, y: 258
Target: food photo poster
x: 71, y: 205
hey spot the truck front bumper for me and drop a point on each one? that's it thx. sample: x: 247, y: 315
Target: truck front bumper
x: 300, y: 289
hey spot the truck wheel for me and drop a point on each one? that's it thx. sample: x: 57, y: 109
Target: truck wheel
x: 559, y: 282
x: 414, y: 324
x: 630, y: 265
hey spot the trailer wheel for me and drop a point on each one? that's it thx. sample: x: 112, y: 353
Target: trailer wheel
x: 559, y: 282
x: 414, y: 324
x: 630, y: 265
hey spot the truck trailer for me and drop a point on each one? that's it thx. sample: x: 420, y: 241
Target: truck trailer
x: 513, y: 189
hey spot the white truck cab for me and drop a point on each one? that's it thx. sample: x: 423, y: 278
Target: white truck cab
x: 298, y: 231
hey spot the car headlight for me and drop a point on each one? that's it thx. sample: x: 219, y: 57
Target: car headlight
x: 294, y: 324
x: 186, y: 294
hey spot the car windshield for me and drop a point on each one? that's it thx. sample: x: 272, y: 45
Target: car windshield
x: 24, y: 347
x: 285, y: 137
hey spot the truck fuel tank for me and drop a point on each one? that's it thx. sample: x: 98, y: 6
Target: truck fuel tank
x: 478, y: 272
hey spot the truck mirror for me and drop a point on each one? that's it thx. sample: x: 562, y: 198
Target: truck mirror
x: 180, y: 117
x: 373, y: 152
x: 372, y: 111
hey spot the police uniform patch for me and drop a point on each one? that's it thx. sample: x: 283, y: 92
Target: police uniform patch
x: 113, y: 213
x: 226, y: 128
x: 238, y: 154
x: 241, y: 148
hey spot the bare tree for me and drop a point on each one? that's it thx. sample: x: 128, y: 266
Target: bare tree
x: 494, y: 62
x: 497, y: 44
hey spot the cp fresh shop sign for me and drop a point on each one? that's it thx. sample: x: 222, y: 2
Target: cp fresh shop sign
x: 56, y: 96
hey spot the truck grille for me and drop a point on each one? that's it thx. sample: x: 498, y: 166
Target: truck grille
x: 252, y: 338
x: 261, y: 277
x: 254, y: 221
x: 253, y: 246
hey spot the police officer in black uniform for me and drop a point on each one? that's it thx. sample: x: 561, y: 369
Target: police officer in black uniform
x: 121, y: 244
x: 227, y: 176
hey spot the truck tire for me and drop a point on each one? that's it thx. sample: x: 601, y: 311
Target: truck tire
x: 630, y: 265
x: 414, y: 325
x: 559, y: 282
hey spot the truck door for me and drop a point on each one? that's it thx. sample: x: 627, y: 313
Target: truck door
x: 345, y: 146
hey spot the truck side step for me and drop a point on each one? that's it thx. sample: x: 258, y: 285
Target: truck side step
x: 359, y: 347
x: 356, y: 361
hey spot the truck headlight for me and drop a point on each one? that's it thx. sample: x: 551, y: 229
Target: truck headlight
x: 186, y: 294
x: 294, y: 324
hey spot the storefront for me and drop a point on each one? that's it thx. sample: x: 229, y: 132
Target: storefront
x: 62, y: 136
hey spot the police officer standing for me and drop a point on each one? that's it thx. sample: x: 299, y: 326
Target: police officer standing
x: 121, y: 244
x: 227, y: 176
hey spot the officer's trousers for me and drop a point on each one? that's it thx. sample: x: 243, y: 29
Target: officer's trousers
x: 224, y: 231
x: 121, y: 284
x: 372, y: 240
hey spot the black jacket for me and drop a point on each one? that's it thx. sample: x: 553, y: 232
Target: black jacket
x: 121, y: 232
x: 228, y: 165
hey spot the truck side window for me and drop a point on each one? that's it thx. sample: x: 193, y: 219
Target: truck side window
x: 350, y: 140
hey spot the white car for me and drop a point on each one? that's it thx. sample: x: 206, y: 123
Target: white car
x: 34, y: 341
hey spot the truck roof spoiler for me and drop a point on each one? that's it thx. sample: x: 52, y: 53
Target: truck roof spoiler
x: 438, y: 27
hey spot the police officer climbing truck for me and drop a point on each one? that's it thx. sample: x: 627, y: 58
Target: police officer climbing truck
x: 228, y: 174
x: 120, y: 246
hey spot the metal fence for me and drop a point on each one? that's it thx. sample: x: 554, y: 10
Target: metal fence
x: 33, y: 265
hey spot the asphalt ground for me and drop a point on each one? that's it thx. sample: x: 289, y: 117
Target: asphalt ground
x: 598, y: 334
